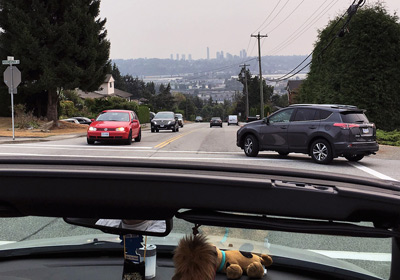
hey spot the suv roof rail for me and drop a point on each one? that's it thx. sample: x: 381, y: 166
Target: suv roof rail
x: 338, y: 106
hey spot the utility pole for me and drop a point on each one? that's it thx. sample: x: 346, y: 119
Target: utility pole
x: 259, y: 63
x: 243, y: 72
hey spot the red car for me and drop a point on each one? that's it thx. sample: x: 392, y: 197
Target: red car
x: 115, y: 125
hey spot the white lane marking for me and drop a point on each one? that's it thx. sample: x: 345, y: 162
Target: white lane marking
x: 365, y: 256
x: 6, y: 242
x: 80, y: 148
x: 148, y: 157
x: 112, y: 149
x: 371, y: 171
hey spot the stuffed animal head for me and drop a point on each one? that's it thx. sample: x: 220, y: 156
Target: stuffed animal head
x: 196, y: 259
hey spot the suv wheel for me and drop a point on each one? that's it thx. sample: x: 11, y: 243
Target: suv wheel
x: 354, y: 157
x: 251, y: 146
x: 90, y: 142
x: 321, y: 151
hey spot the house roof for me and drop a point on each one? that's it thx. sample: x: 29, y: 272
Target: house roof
x: 109, y: 78
x: 85, y: 94
x: 122, y: 93
x: 293, y: 85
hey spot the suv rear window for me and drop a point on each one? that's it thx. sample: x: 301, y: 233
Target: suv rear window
x: 354, y: 117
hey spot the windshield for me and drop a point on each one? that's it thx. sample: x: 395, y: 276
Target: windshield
x: 164, y: 115
x: 113, y: 116
x: 311, y: 87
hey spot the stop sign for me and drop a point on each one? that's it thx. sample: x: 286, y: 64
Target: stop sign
x: 12, y: 76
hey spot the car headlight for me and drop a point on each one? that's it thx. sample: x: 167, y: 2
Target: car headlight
x: 120, y: 129
x: 169, y: 122
x: 154, y: 122
x: 92, y: 128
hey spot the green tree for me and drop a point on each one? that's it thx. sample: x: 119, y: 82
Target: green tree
x: 61, y: 45
x: 253, y: 85
x: 119, y: 79
x: 279, y: 101
x: 360, y: 68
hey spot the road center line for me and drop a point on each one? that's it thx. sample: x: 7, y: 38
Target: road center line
x: 166, y: 142
x: 371, y: 171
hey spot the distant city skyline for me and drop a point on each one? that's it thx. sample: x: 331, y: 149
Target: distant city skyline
x: 155, y: 29
x: 218, y: 55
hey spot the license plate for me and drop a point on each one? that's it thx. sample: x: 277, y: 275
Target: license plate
x: 105, y: 134
x: 161, y: 125
x: 365, y: 130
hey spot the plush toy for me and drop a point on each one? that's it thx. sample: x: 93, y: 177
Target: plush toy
x: 196, y: 259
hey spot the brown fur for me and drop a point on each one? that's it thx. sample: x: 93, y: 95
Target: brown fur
x: 195, y: 259
x: 237, y: 264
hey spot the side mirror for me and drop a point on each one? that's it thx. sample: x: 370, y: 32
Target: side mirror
x: 266, y: 120
x: 92, y: 120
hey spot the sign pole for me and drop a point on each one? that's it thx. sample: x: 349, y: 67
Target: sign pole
x: 9, y: 77
x: 12, y: 102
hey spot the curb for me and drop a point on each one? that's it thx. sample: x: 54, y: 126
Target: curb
x: 41, y: 139
x: 49, y: 138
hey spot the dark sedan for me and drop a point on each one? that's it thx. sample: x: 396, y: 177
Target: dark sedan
x: 164, y: 121
x: 215, y: 121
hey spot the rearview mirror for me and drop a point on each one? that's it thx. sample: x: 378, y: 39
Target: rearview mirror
x: 121, y: 227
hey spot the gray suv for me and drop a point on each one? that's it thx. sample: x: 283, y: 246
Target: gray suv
x: 322, y: 131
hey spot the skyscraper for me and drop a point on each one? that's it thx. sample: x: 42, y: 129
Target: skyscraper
x: 208, y: 53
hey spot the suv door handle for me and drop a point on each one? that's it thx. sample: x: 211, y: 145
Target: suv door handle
x: 312, y: 127
x: 284, y: 127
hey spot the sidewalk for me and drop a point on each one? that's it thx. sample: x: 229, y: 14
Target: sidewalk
x: 9, y: 140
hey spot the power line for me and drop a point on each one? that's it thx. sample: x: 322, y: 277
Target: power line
x: 267, y: 17
x: 301, y: 30
x: 284, y: 5
x: 350, y: 11
x: 333, y: 28
x: 285, y: 17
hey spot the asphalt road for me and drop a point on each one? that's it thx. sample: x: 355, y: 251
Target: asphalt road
x: 199, y: 142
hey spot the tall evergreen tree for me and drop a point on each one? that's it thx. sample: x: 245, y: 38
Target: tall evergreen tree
x: 253, y: 85
x: 119, y: 79
x: 61, y: 45
x: 361, y: 68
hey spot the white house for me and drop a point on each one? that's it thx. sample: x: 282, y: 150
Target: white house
x: 106, y: 89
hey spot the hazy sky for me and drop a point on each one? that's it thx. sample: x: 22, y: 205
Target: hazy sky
x: 157, y: 29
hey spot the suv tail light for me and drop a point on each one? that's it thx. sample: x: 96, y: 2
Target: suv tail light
x: 346, y: 125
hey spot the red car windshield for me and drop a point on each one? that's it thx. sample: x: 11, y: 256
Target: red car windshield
x: 114, y: 116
